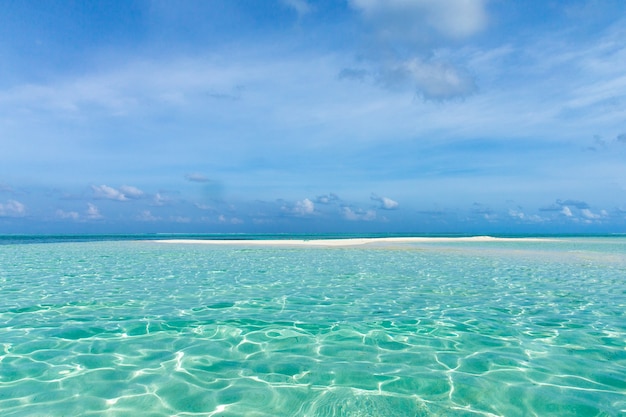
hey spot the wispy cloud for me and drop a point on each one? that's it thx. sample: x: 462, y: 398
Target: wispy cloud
x: 576, y: 211
x: 327, y: 198
x: 5, y: 188
x: 147, y: 216
x: 566, y: 211
x: 519, y: 214
x: 12, y: 208
x: 124, y: 193
x: 407, y: 33
x: 573, y: 203
x: 160, y: 199
x: 386, y: 203
x: 131, y: 192
x: 328, y: 102
x: 180, y: 219
x: 93, y: 213
x: 108, y: 193
x: 229, y: 220
x: 62, y: 214
x: 358, y: 214
x: 197, y: 177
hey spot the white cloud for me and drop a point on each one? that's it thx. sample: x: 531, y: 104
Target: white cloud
x: 123, y: 194
x: 304, y: 207
x: 131, y: 192
x: 566, y: 211
x: 204, y: 206
x: 432, y: 79
x: 196, y: 177
x: 229, y: 220
x: 108, y: 193
x: 528, y: 218
x: 327, y: 198
x: 12, y: 208
x: 92, y: 212
x: 161, y: 200
x: 386, y: 203
x: 358, y: 214
x: 301, y: 208
x: 409, y: 34
x: 67, y: 214
x: 588, y: 214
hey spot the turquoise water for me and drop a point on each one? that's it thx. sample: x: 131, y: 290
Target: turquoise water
x: 128, y: 328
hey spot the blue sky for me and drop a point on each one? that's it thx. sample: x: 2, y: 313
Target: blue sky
x: 296, y: 116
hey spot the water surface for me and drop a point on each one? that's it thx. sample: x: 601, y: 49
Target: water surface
x: 115, y: 328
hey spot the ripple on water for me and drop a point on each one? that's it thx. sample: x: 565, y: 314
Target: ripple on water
x: 466, y: 329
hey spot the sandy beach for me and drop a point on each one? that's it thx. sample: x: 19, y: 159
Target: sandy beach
x: 346, y: 242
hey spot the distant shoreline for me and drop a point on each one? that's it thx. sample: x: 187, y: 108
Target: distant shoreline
x: 345, y: 242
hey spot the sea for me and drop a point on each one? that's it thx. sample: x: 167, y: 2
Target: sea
x: 132, y: 326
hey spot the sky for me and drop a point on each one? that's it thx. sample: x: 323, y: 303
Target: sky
x: 302, y: 116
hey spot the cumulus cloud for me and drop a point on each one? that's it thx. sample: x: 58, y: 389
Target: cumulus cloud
x: 12, y: 208
x: 92, y: 212
x: 386, y: 203
x: 196, y: 177
x: 358, y: 214
x: 560, y: 204
x: 73, y: 215
x: 577, y: 211
x: 588, y: 214
x: 573, y: 203
x: 567, y: 212
x: 108, y: 193
x: 407, y: 34
x: 161, y: 200
x: 519, y: 214
x: 205, y: 207
x: 229, y: 220
x: 124, y: 193
x: 304, y: 207
x: 327, y: 198
x: 131, y: 192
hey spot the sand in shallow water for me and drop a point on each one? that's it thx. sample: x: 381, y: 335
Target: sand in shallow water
x: 347, y: 242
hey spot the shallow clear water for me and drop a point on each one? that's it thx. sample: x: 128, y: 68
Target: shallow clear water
x: 443, y: 329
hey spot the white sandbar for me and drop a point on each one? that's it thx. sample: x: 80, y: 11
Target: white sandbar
x: 347, y: 241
